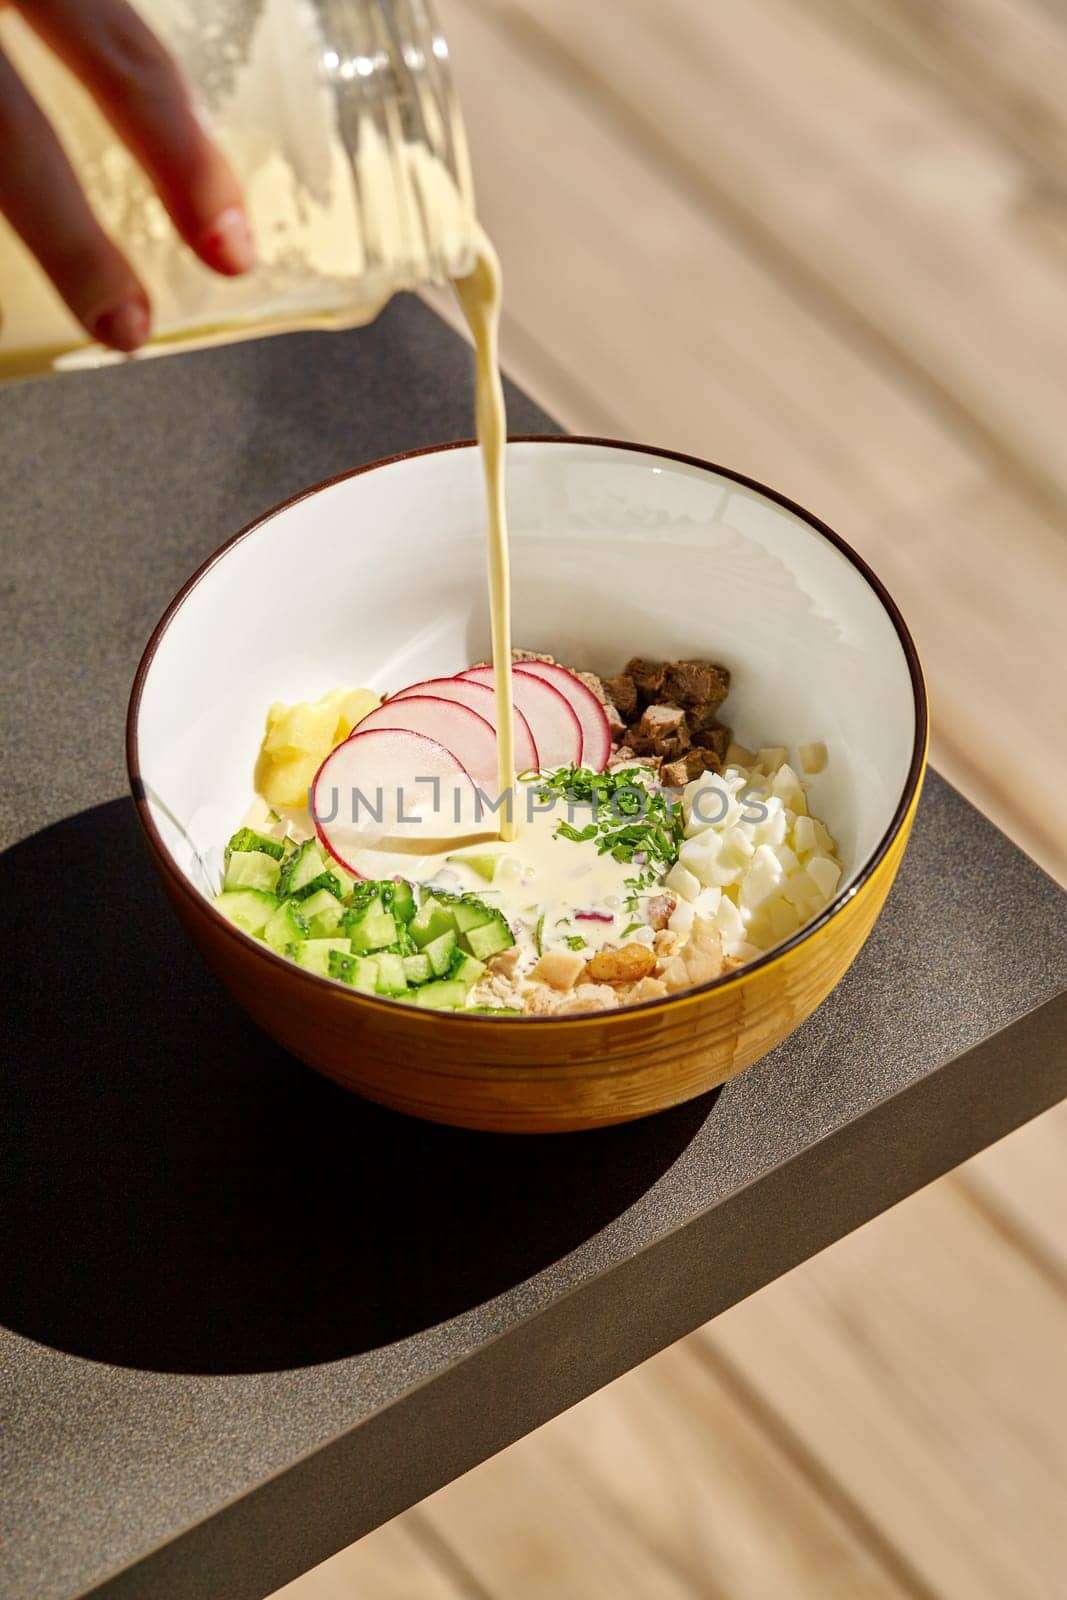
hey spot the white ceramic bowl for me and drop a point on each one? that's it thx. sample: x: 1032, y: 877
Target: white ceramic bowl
x: 379, y: 579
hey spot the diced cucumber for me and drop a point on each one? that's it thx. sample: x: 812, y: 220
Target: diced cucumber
x: 304, y: 865
x: 417, y: 969
x: 246, y: 840
x: 432, y: 919
x: 251, y: 869
x: 339, y: 965
x: 287, y: 926
x: 484, y: 865
x: 359, y: 972
x: 439, y: 952
x: 365, y: 978
x: 495, y: 1011
x: 314, y: 954
x: 370, y: 926
x: 441, y: 996
x: 391, y: 978
x: 322, y: 880
x: 250, y: 909
x: 402, y: 903
x: 490, y: 938
x: 467, y: 969
x: 322, y: 911
x: 471, y: 914
x: 345, y: 881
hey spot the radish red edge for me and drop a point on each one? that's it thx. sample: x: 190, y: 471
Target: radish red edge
x: 596, y: 734
x: 554, y: 724
x: 431, y: 745
x: 447, y: 688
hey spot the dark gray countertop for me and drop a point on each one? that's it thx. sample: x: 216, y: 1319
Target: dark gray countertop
x: 245, y: 1317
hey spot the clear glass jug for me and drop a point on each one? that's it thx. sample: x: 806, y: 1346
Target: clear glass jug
x: 340, y: 119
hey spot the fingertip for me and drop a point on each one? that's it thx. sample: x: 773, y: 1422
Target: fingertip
x: 124, y: 327
x: 227, y: 244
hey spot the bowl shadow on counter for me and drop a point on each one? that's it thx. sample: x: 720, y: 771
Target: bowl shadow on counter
x: 179, y: 1194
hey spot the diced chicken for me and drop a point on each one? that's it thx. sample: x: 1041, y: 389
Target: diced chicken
x: 659, y: 910
x: 505, y: 963
x: 647, y: 989
x: 558, y: 968
x: 590, y: 997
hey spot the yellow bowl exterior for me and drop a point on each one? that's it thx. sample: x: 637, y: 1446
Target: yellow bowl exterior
x: 544, y: 1076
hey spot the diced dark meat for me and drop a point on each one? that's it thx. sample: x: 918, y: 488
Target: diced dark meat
x: 715, y: 740
x: 676, y: 774
x: 661, y: 722
x: 615, y: 723
x: 661, y: 732
x: 694, y: 683
x: 622, y: 693
x: 647, y: 677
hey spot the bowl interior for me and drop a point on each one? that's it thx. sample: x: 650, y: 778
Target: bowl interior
x: 380, y: 580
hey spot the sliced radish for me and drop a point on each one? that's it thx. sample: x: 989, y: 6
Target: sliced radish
x: 469, y: 737
x: 390, y: 790
x: 553, y: 722
x: 479, y: 697
x: 596, y: 735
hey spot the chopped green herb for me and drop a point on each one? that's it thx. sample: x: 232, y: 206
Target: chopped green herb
x: 574, y: 941
x: 631, y: 927
x: 630, y: 818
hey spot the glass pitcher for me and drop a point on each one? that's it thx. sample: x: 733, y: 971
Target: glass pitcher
x: 341, y: 122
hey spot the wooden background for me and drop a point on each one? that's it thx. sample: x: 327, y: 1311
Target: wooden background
x: 824, y: 242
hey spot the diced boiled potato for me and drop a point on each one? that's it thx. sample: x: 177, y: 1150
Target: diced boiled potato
x: 825, y: 874
x: 763, y: 878
x: 788, y: 858
x: 784, y: 918
x: 770, y: 758
x: 772, y: 830
x: 823, y: 840
x: 300, y: 737
x: 813, y: 757
x: 738, y: 844
x: 804, y: 836
x: 682, y: 882
x: 286, y: 782
x: 787, y: 787
x: 352, y: 706
x: 707, y: 903
x: 729, y: 922
x: 681, y: 918
x: 302, y: 728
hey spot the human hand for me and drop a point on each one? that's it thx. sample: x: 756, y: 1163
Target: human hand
x: 140, y: 89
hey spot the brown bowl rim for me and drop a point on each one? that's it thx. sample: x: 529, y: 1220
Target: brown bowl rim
x: 203, y: 906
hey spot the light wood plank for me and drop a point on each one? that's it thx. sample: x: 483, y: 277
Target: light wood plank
x: 1004, y: 61
x: 922, y: 1361
x: 1022, y: 1180
x: 874, y: 196
x: 393, y: 1563
x: 662, y: 1484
